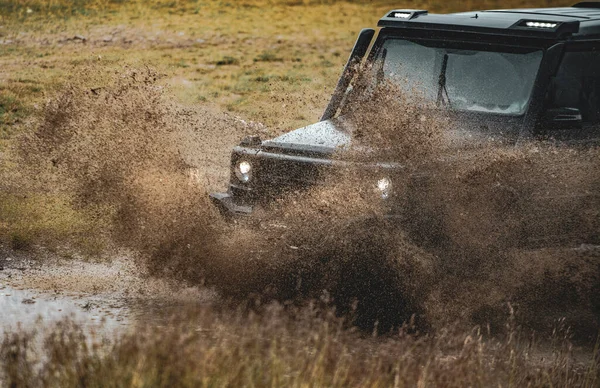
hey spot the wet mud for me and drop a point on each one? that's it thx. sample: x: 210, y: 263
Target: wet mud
x: 104, y: 298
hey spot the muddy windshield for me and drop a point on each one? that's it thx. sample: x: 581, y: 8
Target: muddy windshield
x: 475, y: 80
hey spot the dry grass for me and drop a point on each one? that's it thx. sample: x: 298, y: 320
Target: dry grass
x: 286, y: 347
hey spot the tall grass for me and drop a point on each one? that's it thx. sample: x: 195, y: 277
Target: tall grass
x: 300, y: 348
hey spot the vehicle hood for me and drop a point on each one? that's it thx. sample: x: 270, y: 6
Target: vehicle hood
x: 329, y: 136
x: 323, y: 137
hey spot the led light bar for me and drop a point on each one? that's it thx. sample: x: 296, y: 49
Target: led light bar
x: 402, y: 15
x: 547, y: 27
x: 406, y: 14
x: 534, y: 24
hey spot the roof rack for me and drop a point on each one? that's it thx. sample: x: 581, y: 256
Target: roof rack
x: 588, y: 4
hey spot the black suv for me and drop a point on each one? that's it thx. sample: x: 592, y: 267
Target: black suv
x: 520, y: 73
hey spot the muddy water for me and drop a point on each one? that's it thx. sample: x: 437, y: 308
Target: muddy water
x: 21, y: 308
x: 111, y: 297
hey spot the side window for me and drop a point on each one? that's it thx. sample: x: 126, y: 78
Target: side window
x: 577, y: 85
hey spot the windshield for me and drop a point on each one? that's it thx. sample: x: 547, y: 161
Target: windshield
x: 466, y: 80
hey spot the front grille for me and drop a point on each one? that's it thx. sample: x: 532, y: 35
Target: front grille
x: 277, y: 175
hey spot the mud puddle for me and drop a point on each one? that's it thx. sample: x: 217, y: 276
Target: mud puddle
x: 21, y: 308
x: 105, y: 296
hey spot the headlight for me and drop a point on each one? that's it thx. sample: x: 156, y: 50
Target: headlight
x: 384, y: 187
x: 243, y: 171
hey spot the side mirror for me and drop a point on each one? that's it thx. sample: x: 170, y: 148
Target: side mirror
x: 562, y: 118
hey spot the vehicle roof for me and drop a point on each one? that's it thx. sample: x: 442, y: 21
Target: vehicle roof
x: 580, y: 21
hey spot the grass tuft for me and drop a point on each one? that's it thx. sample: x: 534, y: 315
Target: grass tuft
x: 268, y: 56
x: 227, y: 60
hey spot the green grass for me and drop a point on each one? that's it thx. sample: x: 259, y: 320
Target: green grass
x: 12, y: 112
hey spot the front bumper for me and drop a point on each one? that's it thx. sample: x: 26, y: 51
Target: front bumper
x: 227, y: 205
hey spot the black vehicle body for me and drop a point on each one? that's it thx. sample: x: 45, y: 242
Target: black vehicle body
x: 297, y: 159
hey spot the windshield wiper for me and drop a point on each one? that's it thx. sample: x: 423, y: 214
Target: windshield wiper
x: 442, y: 85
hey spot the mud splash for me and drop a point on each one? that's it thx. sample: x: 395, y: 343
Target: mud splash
x: 505, y: 224
x: 468, y: 242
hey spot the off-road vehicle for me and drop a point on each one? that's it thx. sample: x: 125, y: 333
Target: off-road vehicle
x: 515, y: 74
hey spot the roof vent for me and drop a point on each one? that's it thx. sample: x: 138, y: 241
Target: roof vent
x: 588, y: 4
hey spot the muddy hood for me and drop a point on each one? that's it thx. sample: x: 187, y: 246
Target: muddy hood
x: 323, y: 137
x: 335, y: 134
